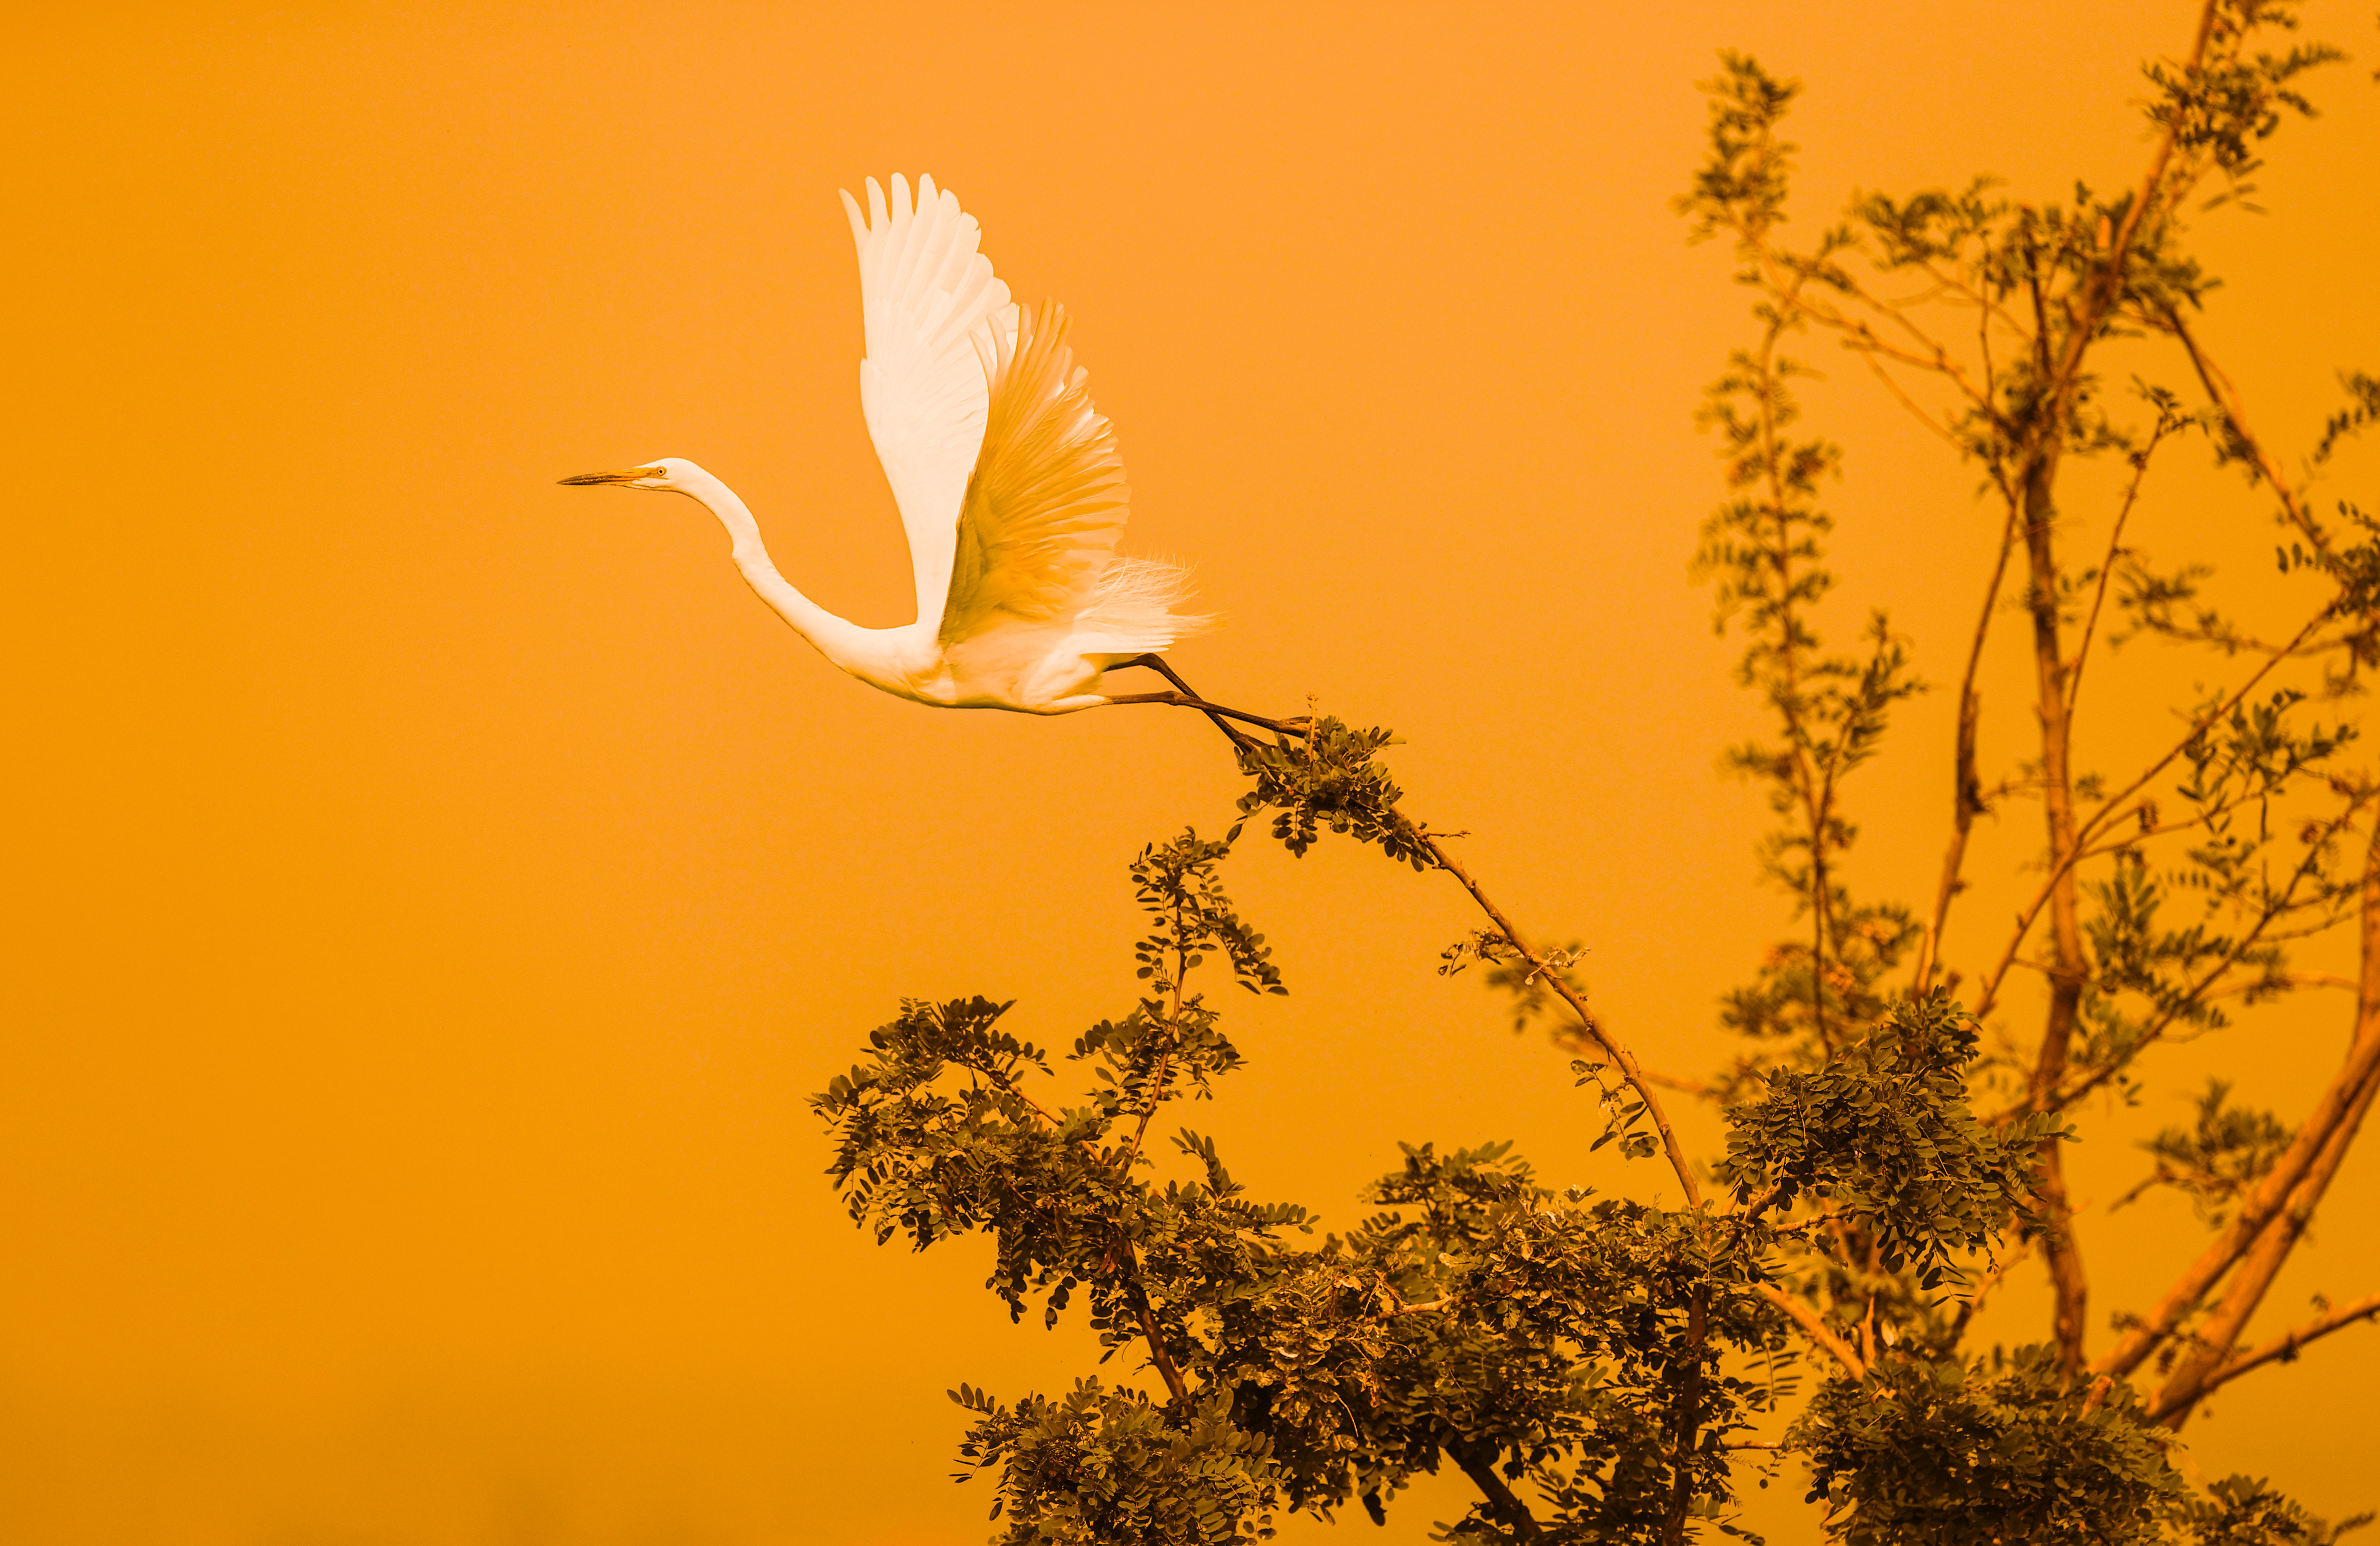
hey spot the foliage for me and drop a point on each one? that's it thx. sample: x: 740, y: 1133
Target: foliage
x: 1881, y: 1137
x: 1598, y: 1367
x: 1956, y: 1453
x: 1330, y: 776
x: 1101, y: 1466
x: 2227, y: 1151
x: 2244, y: 1511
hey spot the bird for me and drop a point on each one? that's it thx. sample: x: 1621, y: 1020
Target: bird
x: 1009, y: 484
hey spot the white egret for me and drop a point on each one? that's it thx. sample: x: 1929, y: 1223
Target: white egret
x: 1007, y: 481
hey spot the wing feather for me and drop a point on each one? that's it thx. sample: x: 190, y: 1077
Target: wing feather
x: 1047, y: 499
x: 924, y: 292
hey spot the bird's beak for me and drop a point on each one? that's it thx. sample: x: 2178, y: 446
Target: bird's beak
x: 625, y: 475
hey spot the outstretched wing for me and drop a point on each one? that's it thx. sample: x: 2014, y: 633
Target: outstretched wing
x: 1047, y: 499
x: 924, y: 290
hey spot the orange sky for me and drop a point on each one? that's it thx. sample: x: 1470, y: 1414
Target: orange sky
x: 438, y: 888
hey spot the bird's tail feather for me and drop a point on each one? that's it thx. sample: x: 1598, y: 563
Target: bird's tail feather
x: 1132, y: 608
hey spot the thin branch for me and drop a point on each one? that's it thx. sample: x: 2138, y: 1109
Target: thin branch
x: 2227, y: 398
x: 2289, y: 979
x: 2083, y: 833
x: 2107, y: 569
x: 1815, y: 1329
x: 2337, y: 1106
x: 1949, y: 435
x: 2059, y: 1099
x: 1620, y: 1057
x: 1966, y: 800
x: 2084, y: 326
x: 1864, y: 337
x: 2283, y: 1348
x: 1788, y: 701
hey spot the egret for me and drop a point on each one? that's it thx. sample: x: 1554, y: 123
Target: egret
x: 1008, y: 484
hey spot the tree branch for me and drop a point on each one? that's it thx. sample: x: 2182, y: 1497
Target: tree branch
x: 2088, y: 828
x: 2084, y: 325
x: 1477, y: 1459
x: 1813, y: 1327
x: 1966, y: 795
x: 2227, y: 398
x: 2261, y: 1265
x: 1621, y: 1056
x: 2107, y: 565
x: 2283, y: 1348
x: 2344, y: 1096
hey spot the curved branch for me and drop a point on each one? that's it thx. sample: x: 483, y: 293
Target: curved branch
x: 2227, y: 398
x: 2107, y: 567
x: 1477, y: 1459
x: 1966, y: 797
x: 1630, y: 1069
x: 1815, y: 1329
x: 2337, y: 1108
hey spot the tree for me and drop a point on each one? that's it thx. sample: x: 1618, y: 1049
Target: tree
x: 1602, y: 1369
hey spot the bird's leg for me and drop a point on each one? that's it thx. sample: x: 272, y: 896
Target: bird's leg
x: 1157, y: 663
x: 1183, y: 701
x: 1189, y: 698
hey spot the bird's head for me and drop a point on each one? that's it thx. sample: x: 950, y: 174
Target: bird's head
x: 662, y: 475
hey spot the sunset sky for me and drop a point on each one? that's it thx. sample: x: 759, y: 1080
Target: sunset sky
x: 437, y: 890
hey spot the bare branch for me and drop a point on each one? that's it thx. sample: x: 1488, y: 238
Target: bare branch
x: 2340, y: 1101
x: 2107, y: 566
x: 1966, y: 800
x: 1815, y: 1329
x: 2227, y: 398
x: 1619, y: 1055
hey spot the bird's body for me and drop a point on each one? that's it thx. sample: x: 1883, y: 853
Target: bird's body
x: 1007, y: 480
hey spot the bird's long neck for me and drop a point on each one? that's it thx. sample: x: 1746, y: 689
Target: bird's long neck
x: 863, y: 651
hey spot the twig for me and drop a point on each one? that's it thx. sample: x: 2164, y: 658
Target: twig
x: 1991, y: 1281
x: 2283, y: 1348
x: 2107, y: 569
x: 2337, y: 1107
x: 1619, y: 1055
x: 1808, y: 1319
x: 2227, y: 398
x: 1966, y: 800
x: 2083, y: 833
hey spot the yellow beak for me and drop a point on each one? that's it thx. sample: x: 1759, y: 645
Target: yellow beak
x: 625, y: 475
